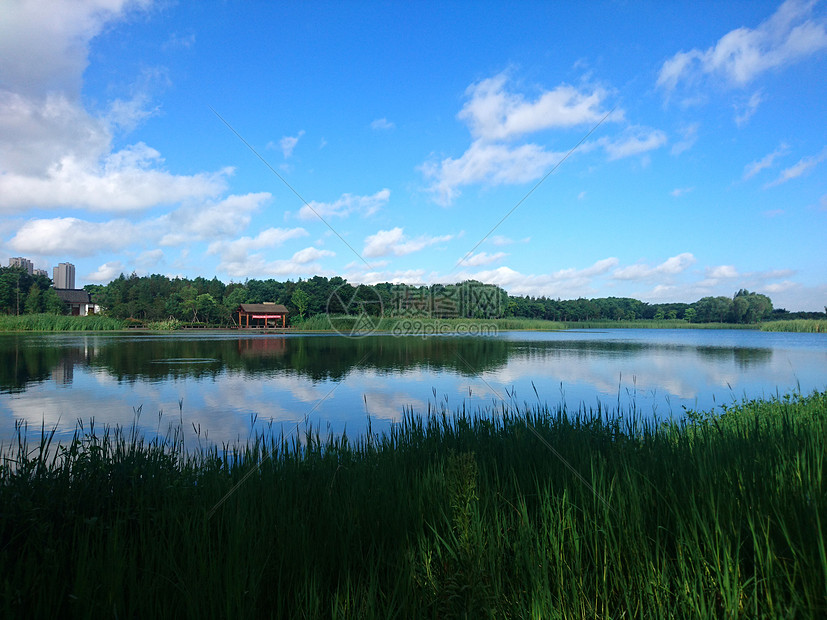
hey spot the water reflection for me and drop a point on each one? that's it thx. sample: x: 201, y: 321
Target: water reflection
x: 317, y: 358
x: 226, y: 381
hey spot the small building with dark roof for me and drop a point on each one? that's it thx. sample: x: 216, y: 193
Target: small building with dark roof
x: 262, y: 315
x: 78, y: 300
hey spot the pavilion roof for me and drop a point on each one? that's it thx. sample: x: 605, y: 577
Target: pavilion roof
x: 265, y: 308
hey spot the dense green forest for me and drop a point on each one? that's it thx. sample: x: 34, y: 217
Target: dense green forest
x: 21, y: 293
x: 157, y: 297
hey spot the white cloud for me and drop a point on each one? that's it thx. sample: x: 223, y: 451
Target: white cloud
x: 599, y: 268
x: 641, y: 271
x: 382, y: 124
x: 744, y: 112
x: 565, y: 283
x: 495, y: 117
x: 690, y: 136
x: 724, y: 279
x: 805, y: 164
x: 482, y: 258
x: 680, y: 191
x: 676, y: 264
x: 753, y: 168
x: 36, y: 133
x: 633, y: 141
x: 206, y: 222
x: 405, y: 276
x: 150, y: 259
x: 492, y: 164
x: 44, y: 44
x: 308, y: 255
x: 774, y: 274
x: 126, y: 114
x: 180, y: 41
x: 795, y: 296
x: 722, y: 271
x: 288, y: 143
x: 741, y: 55
x: 500, y: 240
x: 126, y: 180
x: 53, y: 152
x: 238, y: 249
x: 345, y: 205
x: 492, y: 113
x: 256, y: 265
x: 395, y: 242
x: 106, y: 272
x: 71, y: 236
x: 780, y: 287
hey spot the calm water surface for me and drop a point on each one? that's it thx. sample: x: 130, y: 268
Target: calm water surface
x: 221, y: 382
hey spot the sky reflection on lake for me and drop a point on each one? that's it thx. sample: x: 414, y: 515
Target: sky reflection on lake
x: 220, y: 383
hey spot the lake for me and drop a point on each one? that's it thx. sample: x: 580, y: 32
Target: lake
x: 226, y: 383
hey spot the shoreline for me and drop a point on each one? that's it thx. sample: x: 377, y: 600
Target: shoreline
x: 344, y: 325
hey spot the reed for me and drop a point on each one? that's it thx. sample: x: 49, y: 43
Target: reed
x: 422, y: 325
x: 427, y: 325
x: 532, y: 512
x: 796, y: 325
x: 56, y: 322
x: 170, y: 324
x: 652, y: 324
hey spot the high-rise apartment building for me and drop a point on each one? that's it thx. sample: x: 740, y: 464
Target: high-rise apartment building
x: 25, y: 263
x: 64, y: 275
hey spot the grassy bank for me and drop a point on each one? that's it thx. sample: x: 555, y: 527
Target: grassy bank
x: 413, y: 326
x: 652, y: 324
x: 537, y: 513
x: 419, y: 325
x: 797, y: 325
x: 57, y: 323
x: 345, y: 324
x: 390, y: 324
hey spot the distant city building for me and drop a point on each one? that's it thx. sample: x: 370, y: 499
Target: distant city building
x: 25, y: 263
x: 64, y: 276
x: 40, y: 272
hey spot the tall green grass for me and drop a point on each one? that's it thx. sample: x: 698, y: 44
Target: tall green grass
x: 653, y: 324
x: 419, y: 325
x: 542, y: 512
x: 170, y: 324
x: 346, y: 323
x: 56, y: 322
x: 796, y: 325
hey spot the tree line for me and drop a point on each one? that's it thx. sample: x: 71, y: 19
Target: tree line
x: 199, y: 300
x: 22, y: 293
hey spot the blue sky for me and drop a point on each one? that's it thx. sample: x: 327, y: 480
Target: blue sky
x: 404, y: 133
